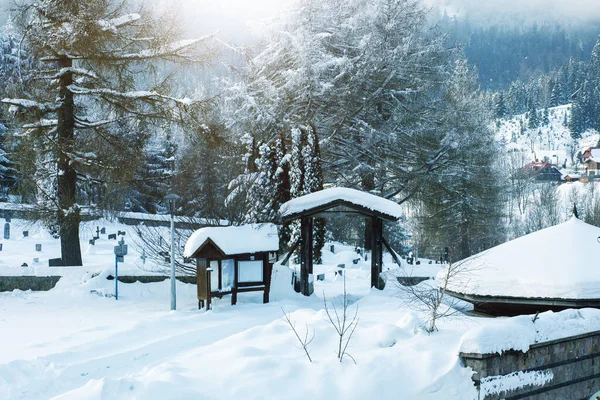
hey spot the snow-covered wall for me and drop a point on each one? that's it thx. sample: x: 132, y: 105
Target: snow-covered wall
x: 564, y: 368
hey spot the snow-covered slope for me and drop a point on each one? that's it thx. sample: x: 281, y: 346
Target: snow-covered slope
x: 551, y: 141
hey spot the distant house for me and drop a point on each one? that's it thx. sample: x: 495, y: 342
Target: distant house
x: 541, y: 171
x: 572, y: 177
x: 591, y: 160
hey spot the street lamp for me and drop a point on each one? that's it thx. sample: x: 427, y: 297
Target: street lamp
x: 171, y: 200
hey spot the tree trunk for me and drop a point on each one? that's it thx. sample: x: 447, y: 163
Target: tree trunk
x: 68, y: 211
x: 368, y: 184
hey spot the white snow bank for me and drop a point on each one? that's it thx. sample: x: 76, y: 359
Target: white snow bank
x: 235, y: 239
x: 556, y: 262
x: 356, y: 197
x: 519, y: 333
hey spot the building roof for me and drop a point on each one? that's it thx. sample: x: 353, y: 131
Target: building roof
x: 556, y: 262
x: 591, y: 153
x: 329, y: 198
x: 536, y: 166
x: 233, y: 240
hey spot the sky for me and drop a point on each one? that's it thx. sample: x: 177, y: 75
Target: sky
x: 237, y: 20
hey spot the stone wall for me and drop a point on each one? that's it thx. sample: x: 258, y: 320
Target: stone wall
x: 45, y: 283
x: 574, y: 363
x: 36, y: 283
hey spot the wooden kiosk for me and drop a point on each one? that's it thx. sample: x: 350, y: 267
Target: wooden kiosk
x: 232, y: 260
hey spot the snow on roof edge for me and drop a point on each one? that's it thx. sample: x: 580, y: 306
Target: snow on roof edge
x: 232, y: 240
x: 353, y: 196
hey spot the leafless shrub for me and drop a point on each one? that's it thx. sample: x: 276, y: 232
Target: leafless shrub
x: 304, y: 341
x: 433, y: 299
x: 343, y: 322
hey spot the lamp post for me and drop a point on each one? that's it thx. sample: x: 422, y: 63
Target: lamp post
x: 171, y: 199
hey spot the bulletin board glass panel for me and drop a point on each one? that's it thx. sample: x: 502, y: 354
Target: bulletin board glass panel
x: 214, y: 276
x: 250, y: 271
x: 227, y: 274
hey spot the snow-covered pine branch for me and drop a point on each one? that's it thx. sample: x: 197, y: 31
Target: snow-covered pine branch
x: 139, y: 95
x: 32, y: 104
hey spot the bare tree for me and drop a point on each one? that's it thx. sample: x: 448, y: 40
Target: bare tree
x: 154, y: 244
x: 433, y: 299
x: 304, y: 341
x: 343, y: 322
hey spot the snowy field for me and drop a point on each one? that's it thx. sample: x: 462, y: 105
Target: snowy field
x: 78, y: 342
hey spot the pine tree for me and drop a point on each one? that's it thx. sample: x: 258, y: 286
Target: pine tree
x: 534, y: 120
x: 7, y: 170
x: 546, y: 117
x: 314, y: 183
x: 94, y: 52
x: 153, y: 179
x: 556, y: 95
x: 499, y: 105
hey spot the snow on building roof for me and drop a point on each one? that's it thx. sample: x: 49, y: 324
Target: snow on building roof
x: 555, y: 262
x: 252, y: 238
x: 332, y: 195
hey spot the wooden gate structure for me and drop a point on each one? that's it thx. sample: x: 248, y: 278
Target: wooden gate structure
x: 322, y: 204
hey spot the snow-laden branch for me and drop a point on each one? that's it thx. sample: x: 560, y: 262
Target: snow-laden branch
x: 84, y: 123
x: 169, y: 50
x: 142, y: 95
x: 42, y: 123
x: 75, y: 71
x: 115, y: 23
x: 31, y: 104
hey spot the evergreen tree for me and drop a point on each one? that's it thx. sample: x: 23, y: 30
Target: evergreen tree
x: 534, y: 120
x: 7, y: 171
x: 546, y: 117
x: 90, y: 96
x: 153, y: 179
x: 461, y: 205
x: 556, y: 95
x: 499, y: 105
x: 313, y: 183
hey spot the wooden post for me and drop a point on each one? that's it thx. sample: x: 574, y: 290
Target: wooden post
x: 208, y: 289
x: 306, y: 251
x: 235, y: 282
x: 267, y: 271
x: 376, y: 250
x: 201, y: 264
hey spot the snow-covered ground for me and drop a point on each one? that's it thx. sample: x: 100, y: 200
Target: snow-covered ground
x: 96, y: 258
x: 78, y: 342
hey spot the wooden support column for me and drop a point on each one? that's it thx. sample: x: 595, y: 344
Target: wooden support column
x: 376, y: 251
x: 306, y: 251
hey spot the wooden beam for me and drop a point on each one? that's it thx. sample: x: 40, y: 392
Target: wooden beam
x: 287, y: 257
x: 392, y: 252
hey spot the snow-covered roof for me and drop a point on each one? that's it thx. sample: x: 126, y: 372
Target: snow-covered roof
x: 556, y: 262
x: 231, y: 240
x: 332, y: 195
